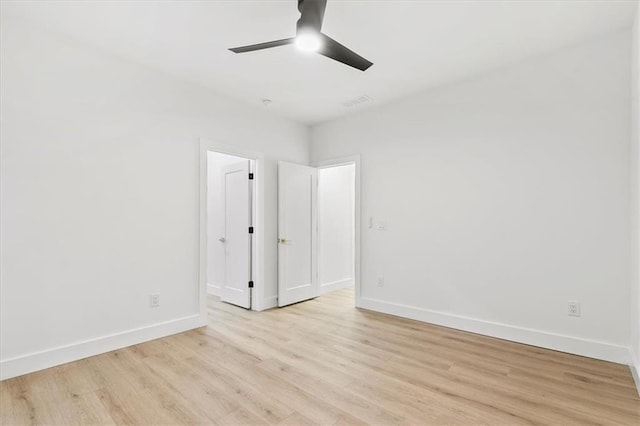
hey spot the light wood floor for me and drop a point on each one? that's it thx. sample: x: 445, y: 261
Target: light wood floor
x: 324, y: 362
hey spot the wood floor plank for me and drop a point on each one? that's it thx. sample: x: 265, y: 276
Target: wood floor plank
x: 242, y: 391
x: 297, y: 419
x: 339, y: 397
x: 324, y: 362
x: 316, y: 409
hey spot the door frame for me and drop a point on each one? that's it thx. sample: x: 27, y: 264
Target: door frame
x: 257, y: 296
x: 341, y: 161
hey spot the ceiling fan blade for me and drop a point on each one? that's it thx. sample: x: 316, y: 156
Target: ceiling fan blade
x: 261, y: 46
x: 311, y: 14
x: 334, y: 50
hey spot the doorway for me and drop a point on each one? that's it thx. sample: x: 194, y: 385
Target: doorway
x: 230, y: 217
x: 318, y: 228
x: 336, y: 227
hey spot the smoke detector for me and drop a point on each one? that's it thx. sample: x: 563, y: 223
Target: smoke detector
x: 358, y: 101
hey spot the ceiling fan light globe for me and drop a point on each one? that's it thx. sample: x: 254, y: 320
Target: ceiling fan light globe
x: 308, y: 42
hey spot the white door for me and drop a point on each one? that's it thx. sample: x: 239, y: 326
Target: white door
x: 236, y: 198
x: 297, y: 230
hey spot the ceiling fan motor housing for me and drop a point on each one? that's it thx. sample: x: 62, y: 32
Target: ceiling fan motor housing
x: 311, y: 15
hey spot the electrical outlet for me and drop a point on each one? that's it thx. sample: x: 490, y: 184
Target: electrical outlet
x: 380, y: 281
x: 154, y: 300
x: 574, y: 308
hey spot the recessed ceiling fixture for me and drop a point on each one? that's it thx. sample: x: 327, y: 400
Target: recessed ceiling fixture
x: 309, y: 38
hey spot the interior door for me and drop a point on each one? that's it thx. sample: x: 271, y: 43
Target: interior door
x: 236, y: 197
x: 297, y: 233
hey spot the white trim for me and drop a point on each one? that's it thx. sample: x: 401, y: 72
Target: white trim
x: 336, y: 285
x: 634, y: 366
x: 575, y: 345
x: 214, y: 289
x: 636, y: 377
x: 268, y: 303
x: 35, y: 361
x: 257, y: 302
x: 354, y: 159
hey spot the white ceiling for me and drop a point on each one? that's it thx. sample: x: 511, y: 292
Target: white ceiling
x: 414, y: 44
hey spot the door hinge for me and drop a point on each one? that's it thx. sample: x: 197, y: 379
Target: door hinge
x: 250, y: 284
x: 250, y: 176
x: 251, y: 229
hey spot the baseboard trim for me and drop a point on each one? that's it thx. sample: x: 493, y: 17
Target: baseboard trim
x: 336, y: 285
x: 35, y: 361
x: 574, y: 345
x: 214, y: 289
x: 268, y: 303
x: 634, y: 365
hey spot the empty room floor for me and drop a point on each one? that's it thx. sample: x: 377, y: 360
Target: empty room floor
x: 324, y: 362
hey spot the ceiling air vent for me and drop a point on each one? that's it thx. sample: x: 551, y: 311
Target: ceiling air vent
x: 358, y: 101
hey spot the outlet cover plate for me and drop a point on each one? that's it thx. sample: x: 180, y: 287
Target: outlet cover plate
x: 154, y: 300
x: 574, y: 308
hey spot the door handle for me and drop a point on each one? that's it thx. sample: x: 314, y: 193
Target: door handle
x: 283, y: 241
x: 222, y: 239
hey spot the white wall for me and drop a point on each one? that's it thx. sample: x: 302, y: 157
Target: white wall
x: 215, y: 219
x: 505, y: 196
x: 100, y: 194
x: 635, y: 197
x: 336, y: 221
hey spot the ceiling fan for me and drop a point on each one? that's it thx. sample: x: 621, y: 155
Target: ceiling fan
x: 309, y: 38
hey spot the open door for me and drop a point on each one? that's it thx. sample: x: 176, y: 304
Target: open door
x: 236, y: 196
x: 297, y: 225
